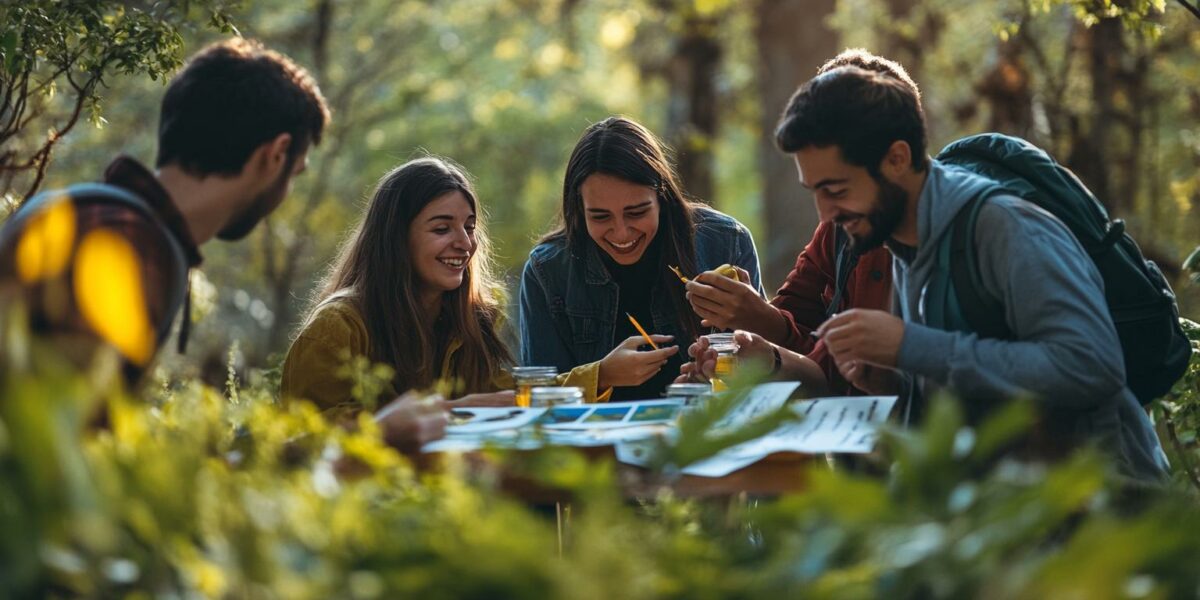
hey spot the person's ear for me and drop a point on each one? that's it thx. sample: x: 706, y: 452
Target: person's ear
x: 271, y: 157
x: 897, y: 160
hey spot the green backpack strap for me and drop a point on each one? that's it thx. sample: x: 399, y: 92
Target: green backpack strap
x: 955, y: 299
x: 981, y: 313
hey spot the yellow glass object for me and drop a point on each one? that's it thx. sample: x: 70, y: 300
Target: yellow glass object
x: 524, y: 395
x: 725, y: 366
x: 726, y: 349
x: 527, y: 378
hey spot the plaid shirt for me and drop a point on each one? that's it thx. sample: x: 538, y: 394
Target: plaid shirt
x: 53, y: 309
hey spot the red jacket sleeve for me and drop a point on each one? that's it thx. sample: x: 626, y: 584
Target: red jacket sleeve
x: 808, y: 290
x: 802, y: 298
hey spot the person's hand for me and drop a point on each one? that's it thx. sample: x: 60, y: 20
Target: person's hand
x: 873, y: 380
x: 751, y: 346
x: 410, y: 421
x: 726, y: 303
x: 860, y: 337
x: 702, y: 364
x: 504, y: 398
x: 626, y: 366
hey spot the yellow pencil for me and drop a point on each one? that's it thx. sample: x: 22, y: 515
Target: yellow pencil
x: 677, y: 273
x: 642, y: 331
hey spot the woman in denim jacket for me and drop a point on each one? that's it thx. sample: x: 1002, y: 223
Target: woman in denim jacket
x: 624, y: 221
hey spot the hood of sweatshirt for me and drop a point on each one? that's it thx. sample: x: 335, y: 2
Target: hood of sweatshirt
x: 947, y: 189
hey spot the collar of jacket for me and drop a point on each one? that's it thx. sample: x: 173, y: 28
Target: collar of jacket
x: 594, y: 271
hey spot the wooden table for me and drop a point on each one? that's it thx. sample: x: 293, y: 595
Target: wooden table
x: 775, y: 475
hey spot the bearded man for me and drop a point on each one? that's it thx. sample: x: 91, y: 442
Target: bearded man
x: 859, y: 141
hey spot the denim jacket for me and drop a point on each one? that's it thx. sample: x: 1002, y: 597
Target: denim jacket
x: 569, y: 301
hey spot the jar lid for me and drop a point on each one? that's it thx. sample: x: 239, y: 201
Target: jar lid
x: 689, y: 389
x: 722, y: 342
x: 556, y: 393
x: 535, y: 371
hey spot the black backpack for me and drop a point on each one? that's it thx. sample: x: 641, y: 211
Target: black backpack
x: 1139, y: 298
x: 102, y: 192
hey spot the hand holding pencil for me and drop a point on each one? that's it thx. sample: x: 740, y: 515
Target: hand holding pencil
x: 628, y: 366
x: 638, y: 326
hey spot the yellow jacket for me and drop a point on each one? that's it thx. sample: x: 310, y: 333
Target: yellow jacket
x: 337, y: 334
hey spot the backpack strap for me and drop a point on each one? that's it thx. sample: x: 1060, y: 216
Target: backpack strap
x: 845, y: 260
x: 982, y: 313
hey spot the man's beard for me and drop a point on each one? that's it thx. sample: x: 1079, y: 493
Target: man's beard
x: 884, y: 218
x: 242, y: 224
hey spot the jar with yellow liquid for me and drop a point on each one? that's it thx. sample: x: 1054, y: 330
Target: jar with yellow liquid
x: 527, y: 378
x: 726, y: 349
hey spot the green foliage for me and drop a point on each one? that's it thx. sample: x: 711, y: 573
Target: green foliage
x: 1178, y: 415
x: 56, y: 56
x: 189, y: 492
x: 936, y: 531
x: 1136, y: 15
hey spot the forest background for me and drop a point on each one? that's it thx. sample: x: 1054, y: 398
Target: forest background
x: 218, y: 490
x: 505, y: 87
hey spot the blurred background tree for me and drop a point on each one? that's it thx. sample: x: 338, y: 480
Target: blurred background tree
x: 505, y: 87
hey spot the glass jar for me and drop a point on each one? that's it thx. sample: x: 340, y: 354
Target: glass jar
x: 527, y: 378
x: 555, y: 396
x: 726, y: 349
x: 691, y: 394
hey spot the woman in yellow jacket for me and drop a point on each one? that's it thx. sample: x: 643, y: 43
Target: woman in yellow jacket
x: 412, y: 289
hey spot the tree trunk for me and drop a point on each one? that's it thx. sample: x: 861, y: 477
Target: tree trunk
x: 692, y: 115
x: 902, y: 44
x: 1005, y: 88
x: 324, y: 18
x: 793, y: 42
x: 1140, y: 101
x: 1091, y: 155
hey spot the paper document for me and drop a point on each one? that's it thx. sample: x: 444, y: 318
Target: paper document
x: 474, y: 420
x: 842, y: 425
x: 762, y: 399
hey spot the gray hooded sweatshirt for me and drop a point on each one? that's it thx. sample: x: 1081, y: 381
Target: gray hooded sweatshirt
x: 1066, y: 352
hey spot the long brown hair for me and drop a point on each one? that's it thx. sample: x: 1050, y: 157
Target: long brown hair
x: 374, y: 270
x: 622, y: 148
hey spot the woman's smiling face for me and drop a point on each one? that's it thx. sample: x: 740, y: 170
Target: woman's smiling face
x: 442, y: 242
x: 622, y: 217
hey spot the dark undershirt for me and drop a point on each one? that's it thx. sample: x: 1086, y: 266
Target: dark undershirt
x: 636, y: 283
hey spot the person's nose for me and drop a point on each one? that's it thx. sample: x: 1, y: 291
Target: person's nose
x: 625, y: 229
x: 462, y: 241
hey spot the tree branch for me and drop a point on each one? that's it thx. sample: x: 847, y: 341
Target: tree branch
x: 42, y: 156
x: 1192, y: 9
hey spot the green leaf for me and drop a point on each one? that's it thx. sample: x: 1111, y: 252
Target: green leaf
x: 8, y: 45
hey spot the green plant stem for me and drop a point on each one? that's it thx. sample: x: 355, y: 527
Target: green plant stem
x: 1182, y: 451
